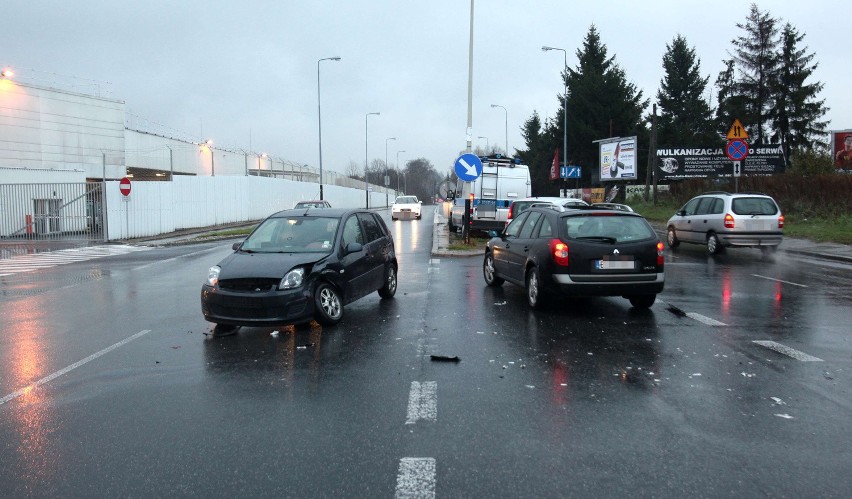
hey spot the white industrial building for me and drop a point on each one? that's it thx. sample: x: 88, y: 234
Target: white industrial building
x: 62, y: 155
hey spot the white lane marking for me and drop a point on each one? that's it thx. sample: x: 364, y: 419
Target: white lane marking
x: 779, y: 280
x: 704, y: 319
x: 416, y: 478
x: 73, y: 366
x: 422, y: 402
x: 434, y: 261
x: 790, y: 352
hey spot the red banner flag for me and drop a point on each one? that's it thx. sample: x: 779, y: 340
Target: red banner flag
x: 554, y: 166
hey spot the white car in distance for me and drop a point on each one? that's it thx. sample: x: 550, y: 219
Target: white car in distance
x: 406, y: 208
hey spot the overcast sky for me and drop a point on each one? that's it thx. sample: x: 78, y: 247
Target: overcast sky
x: 244, y: 73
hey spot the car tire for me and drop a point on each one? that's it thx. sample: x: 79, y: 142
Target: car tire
x: 389, y: 288
x: 671, y: 238
x: 328, y: 304
x: 534, y: 297
x: 642, y: 301
x: 713, y: 244
x: 488, y: 272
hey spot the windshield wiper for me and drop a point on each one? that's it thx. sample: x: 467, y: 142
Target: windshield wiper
x: 605, y: 239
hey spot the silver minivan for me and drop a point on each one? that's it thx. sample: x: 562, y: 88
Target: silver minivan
x: 722, y: 219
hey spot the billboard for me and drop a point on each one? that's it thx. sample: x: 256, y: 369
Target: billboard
x: 841, y: 150
x: 618, y: 159
x: 681, y: 163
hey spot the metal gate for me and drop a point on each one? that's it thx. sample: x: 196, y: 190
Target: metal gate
x: 52, y: 211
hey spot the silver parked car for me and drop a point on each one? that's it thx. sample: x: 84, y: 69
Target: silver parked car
x: 722, y: 219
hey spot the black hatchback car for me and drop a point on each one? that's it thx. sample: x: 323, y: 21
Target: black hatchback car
x: 578, y: 252
x: 299, y: 265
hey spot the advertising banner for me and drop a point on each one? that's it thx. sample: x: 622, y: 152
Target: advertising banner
x: 681, y: 163
x: 554, y: 166
x: 618, y: 159
x: 841, y: 150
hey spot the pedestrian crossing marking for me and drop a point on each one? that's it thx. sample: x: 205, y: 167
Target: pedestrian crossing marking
x: 37, y: 261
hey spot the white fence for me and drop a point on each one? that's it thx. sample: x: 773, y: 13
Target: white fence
x: 154, y: 208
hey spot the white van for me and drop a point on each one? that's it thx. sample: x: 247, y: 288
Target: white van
x: 502, y: 181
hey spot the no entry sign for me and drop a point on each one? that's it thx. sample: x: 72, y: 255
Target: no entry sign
x: 124, y: 186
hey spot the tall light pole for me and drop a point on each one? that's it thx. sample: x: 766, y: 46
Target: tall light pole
x: 319, y: 116
x: 565, y: 109
x: 397, y: 170
x: 486, y: 143
x: 366, y: 157
x: 507, y: 127
x: 386, y: 169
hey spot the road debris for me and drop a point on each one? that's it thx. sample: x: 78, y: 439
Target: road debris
x: 445, y: 358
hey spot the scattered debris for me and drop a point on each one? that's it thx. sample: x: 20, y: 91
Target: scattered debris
x: 500, y: 304
x: 274, y: 334
x: 785, y: 416
x: 678, y: 312
x: 777, y: 401
x: 175, y: 347
x: 304, y: 346
x: 747, y: 375
x: 530, y: 386
x: 445, y: 358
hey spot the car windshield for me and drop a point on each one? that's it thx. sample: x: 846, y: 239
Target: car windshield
x: 613, y: 228
x: 406, y: 200
x: 293, y: 235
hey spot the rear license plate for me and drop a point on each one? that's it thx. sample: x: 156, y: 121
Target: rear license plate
x: 758, y: 225
x: 615, y: 264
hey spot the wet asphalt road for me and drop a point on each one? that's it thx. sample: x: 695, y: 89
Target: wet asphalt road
x: 111, y: 385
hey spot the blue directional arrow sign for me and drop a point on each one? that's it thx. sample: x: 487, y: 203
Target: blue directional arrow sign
x: 570, y: 172
x: 468, y: 167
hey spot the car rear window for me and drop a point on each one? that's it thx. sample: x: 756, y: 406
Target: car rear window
x: 406, y: 200
x: 621, y: 228
x: 754, y: 206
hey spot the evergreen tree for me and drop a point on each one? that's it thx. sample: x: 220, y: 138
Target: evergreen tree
x: 797, y: 114
x: 732, y: 105
x: 601, y: 104
x: 757, y: 60
x: 685, y: 116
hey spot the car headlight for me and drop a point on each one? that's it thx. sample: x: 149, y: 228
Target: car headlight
x: 292, y: 279
x: 213, y: 275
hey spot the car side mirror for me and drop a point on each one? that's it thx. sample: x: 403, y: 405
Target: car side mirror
x: 237, y: 245
x: 354, y: 248
x: 681, y: 213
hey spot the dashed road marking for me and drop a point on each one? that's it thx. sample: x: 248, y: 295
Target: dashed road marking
x: 790, y: 352
x: 704, y: 320
x: 422, y: 402
x: 29, y: 263
x: 779, y: 280
x: 70, y: 368
x: 416, y: 478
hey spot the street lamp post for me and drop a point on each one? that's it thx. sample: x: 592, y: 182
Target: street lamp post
x: 565, y: 108
x: 209, y: 144
x: 507, y: 126
x: 486, y: 143
x: 386, y: 170
x: 397, y: 170
x: 319, y: 117
x: 366, y: 157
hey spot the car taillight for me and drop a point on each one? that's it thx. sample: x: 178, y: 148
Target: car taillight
x: 511, y: 209
x: 559, y: 252
x: 661, y: 259
x: 729, y: 221
x: 781, y: 221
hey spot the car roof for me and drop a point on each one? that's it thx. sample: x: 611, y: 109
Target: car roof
x: 585, y: 210
x: 547, y: 199
x: 324, y: 212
